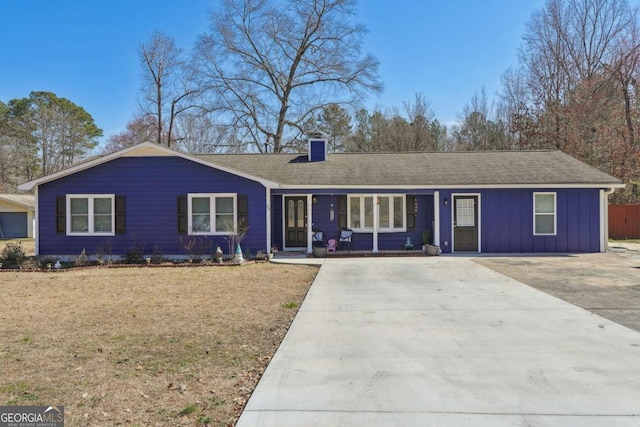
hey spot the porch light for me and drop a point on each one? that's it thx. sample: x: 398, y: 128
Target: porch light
x: 446, y: 201
x: 332, y: 213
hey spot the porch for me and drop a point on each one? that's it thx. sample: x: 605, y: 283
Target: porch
x: 289, y: 255
x: 381, y: 222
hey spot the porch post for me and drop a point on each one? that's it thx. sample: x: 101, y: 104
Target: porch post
x: 376, y: 213
x: 436, y: 218
x: 309, y: 223
x: 268, y: 219
x: 36, y: 232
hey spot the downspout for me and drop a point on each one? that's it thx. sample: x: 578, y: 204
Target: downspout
x: 436, y: 218
x: 604, y: 218
x: 36, y: 212
x: 309, y: 223
x: 376, y: 215
x: 268, y: 216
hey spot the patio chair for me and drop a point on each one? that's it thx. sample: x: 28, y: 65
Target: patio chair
x: 318, y: 236
x: 331, y: 245
x: 345, y: 239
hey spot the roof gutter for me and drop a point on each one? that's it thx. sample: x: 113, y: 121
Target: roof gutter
x: 611, y: 186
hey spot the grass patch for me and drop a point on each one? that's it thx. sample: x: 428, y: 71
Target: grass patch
x: 188, y: 410
x: 291, y: 304
x: 136, y: 346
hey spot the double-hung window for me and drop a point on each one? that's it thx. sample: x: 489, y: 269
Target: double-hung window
x: 91, y: 214
x: 212, y: 213
x: 544, y: 214
x: 391, y: 212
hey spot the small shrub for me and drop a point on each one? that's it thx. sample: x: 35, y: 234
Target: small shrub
x: 157, y: 257
x: 13, y: 256
x: 82, y: 259
x: 194, y: 247
x: 135, y: 253
x: 104, y: 252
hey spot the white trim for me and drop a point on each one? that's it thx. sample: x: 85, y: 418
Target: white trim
x: 479, y: 224
x: 376, y: 226
x: 555, y: 212
x: 90, y: 215
x: 442, y: 187
x: 212, y: 213
x: 436, y: 218
x: 144, y: 150
x: 604, y: 219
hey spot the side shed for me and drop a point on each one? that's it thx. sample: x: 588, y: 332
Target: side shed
x: 16, y: 216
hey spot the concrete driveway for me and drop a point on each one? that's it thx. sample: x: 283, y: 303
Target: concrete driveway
x: 444, y: 342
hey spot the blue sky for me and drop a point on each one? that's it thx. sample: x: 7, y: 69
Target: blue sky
x: 86, y: 50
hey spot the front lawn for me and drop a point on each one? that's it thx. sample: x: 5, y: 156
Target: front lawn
x: 144, y: 346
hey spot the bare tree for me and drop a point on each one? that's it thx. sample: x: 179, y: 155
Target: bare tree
x: 567, y: 42
x: 166, y: 89
x: 270, y: 65
x: 576, y: 89
x: 138, y: 130
x: 482, y: 126
x: 200, y: 135
x: 423, y: 133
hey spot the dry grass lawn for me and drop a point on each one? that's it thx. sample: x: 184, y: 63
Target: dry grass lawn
x: 144, y: 346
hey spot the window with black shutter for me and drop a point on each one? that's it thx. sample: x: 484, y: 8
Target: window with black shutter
x: 183, y: 215
x: 120, y: 215
x: 243, y: 211
x: 61, y: 214
x: 411, y: 212
x: 342, y: 212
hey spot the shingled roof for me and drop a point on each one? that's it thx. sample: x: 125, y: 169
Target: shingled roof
x: 380, y: 170
x: 435, y: 169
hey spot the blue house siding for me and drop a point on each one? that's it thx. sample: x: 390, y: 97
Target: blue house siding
x: 276, y: 221
x: 151, y: 186
x: 506, y: 220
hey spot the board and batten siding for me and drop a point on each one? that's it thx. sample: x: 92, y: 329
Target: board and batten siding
x: 151, y: 186
x: 364, y: 241
x: 506, y: 220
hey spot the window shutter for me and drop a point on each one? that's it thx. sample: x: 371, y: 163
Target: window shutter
x: 61, y: 214
x: 342, y: 212
x: 243, y: 211
x: 183, y: 212
x: 120, y: 215
x: 411, y: 214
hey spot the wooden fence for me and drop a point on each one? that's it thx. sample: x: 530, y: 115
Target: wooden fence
x: 624, y: 221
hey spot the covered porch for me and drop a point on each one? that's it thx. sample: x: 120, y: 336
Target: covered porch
x: 381, y: 220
